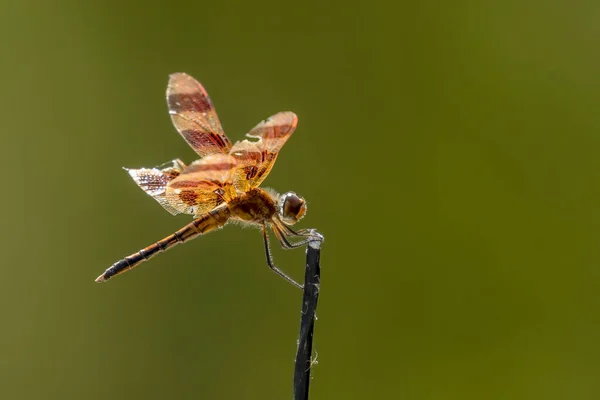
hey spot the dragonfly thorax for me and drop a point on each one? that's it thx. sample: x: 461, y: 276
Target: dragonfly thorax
x: 256, y: 206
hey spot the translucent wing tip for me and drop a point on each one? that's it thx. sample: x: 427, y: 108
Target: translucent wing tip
x: 180, y: 77
x: 176, y: 75
x: 288, y: 118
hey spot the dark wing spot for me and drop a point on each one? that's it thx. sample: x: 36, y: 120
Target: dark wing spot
x: 188, y: 197
x: 251, y: 172
x: 179, y: 102
x: 183, y: 184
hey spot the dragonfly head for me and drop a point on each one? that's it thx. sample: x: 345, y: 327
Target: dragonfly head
x: 291, y: 208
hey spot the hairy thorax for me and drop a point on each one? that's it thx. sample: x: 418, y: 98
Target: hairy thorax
x: 254, y: 206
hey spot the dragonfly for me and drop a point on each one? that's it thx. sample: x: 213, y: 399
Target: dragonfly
x: 222, y: 186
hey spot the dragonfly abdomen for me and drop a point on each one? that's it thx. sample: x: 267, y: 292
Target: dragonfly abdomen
x: 199, y: 226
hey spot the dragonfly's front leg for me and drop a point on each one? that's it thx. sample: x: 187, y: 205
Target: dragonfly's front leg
x: 285, y: 230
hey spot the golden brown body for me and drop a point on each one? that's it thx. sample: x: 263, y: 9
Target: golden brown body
x: 256, y: 206
x: 223, y: 184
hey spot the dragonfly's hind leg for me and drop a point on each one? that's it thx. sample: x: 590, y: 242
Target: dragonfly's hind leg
x: 272, y: 264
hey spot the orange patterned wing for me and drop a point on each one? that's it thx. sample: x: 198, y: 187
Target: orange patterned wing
x: 202, y: 185
x: 154, y: 181
x: 256, y: 158
x: 194, y: 116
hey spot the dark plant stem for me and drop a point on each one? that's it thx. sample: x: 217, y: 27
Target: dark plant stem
x: 312, y: 279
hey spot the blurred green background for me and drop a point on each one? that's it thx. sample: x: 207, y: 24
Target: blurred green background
x: 449, y: 152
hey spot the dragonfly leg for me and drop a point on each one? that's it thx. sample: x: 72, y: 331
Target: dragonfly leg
x: 285, y: 230
x: 286, y: 244
x: 272, y: 264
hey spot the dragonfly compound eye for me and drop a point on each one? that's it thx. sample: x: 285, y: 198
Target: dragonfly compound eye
x: 293, y: 207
